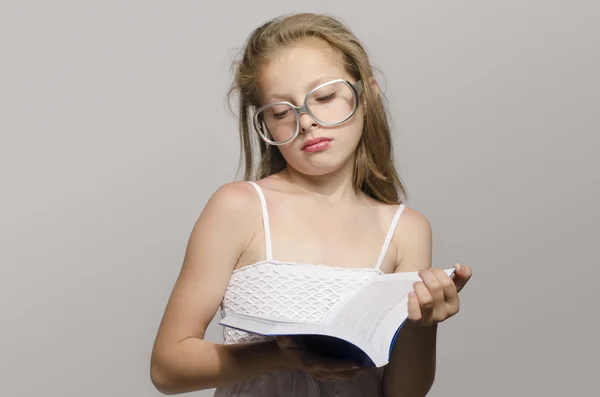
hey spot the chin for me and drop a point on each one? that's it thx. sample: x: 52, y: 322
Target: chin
x: 319, y: 167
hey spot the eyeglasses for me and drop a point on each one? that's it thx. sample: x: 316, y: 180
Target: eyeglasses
x: 329, y: 104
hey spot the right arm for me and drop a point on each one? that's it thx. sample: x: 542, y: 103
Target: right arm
x: 182, y: 361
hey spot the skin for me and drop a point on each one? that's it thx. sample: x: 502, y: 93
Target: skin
x: 314, y: 190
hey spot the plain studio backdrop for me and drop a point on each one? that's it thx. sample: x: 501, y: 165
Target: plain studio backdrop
x: 115, y: 132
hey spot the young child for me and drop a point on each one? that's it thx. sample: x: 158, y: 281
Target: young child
x: 324, y: 215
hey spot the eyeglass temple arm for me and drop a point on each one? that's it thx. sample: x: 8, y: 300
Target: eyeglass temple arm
x: 358, y: 86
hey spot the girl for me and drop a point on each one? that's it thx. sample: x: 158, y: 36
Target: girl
x: 324, y: 214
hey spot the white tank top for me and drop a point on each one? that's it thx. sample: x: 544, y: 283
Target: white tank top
x: 295, y: 291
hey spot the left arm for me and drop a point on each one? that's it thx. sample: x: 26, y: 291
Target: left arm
x: 411, y: 370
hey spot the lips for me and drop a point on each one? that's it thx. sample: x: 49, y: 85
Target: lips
x: 314, y: 141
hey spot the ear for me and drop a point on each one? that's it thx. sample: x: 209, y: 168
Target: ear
x: 374, y: 87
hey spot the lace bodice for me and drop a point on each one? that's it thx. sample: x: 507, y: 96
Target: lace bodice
x: 295, y: 291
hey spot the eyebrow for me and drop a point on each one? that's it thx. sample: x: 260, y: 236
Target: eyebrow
x: 308, y: 87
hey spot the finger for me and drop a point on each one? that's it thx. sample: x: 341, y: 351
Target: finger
x: 327, y: 364
x: 426, y: 302
x: 295, y: 352
x: 450, y: 293
x: 286, y: 342
x: 461, y: 276
x: 361, y: 371
x: 351, y: 373
x: 414, y: 311
x: 448, y: 286
x: 320, y: 375
x: 433, y: 284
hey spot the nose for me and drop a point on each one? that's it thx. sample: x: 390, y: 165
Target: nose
x: 306, y: 122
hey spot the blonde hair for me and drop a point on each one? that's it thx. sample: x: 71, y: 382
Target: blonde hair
x: 374, y: 170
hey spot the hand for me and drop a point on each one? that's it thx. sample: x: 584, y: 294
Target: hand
x: 435, y: 298
x: 319, y: 367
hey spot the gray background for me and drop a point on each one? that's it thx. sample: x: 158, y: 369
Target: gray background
x: 115, y: 133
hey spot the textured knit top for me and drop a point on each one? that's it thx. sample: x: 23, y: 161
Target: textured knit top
x: 300, y: 292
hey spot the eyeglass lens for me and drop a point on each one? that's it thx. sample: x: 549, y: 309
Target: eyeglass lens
x: 330, y: 104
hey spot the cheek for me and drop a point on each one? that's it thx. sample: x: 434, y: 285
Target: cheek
x: 289, y: 152
x: 351, y: 132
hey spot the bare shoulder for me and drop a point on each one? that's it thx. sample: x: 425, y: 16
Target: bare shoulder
x: 413, y: 240
x: 234, y: 201
x: 229, y: 218
x: 232, y: 197
x: 412, y: 221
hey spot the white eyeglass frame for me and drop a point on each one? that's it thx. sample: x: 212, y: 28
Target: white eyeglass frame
x: 356, y: 88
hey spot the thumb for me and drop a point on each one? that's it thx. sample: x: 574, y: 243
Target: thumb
x: 461, y: 275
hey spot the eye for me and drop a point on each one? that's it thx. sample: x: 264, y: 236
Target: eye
x: 327, y: 98
x: 281, y: 115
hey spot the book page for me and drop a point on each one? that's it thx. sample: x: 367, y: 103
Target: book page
x: 376, y: 310
x: 364, y: 311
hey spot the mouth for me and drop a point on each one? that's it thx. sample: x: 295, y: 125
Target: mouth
x: 316, y: 143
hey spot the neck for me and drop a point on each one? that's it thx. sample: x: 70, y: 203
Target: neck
x: 335, y: 187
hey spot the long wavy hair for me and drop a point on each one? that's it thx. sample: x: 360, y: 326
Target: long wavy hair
x: 374, y: 169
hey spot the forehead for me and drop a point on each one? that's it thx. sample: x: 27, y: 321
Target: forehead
x: 294, y: 70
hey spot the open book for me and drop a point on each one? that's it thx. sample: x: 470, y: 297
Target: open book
x: 361, y: 327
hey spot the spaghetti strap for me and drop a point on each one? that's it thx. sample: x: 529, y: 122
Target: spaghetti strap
x: 390, y: 234
x: 265, y: 216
